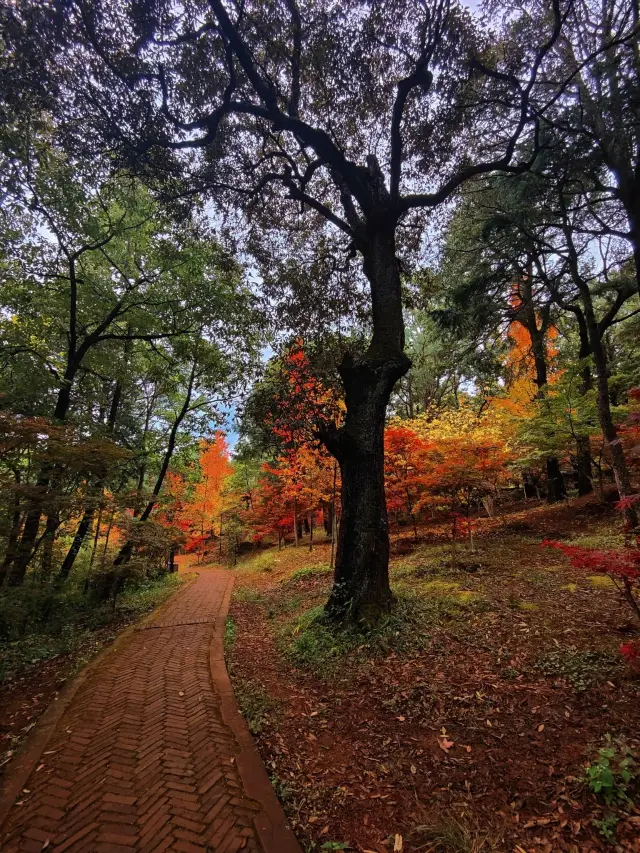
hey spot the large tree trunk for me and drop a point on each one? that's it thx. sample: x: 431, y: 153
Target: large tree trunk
x: 556, y: 489
x: 361, y: 591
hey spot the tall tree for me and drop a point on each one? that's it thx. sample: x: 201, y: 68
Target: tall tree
x: 351, y: 117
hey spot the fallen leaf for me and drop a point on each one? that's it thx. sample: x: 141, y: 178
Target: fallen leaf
x: 325, y: 830
x: 414, y: 769
x: 401, y: 719
x: 541, y: 727
x: 397, y: 844
x: 444, y: 743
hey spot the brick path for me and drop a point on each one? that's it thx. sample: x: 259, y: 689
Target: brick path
x: 151, y: 754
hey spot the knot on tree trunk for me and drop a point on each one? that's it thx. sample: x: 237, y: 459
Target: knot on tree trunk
x: 371, y: 370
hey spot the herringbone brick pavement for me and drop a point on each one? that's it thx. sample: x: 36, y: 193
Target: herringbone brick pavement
x: 142, y: 759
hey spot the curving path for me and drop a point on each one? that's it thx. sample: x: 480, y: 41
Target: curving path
x: 147, y: 750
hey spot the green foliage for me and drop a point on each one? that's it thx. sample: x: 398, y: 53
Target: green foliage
x: 313, y: 642
x: 38, y: 623
x: 582, y: 669
x: 307, y: 572
x: 257, y: 706
x: 613, y: 777
x: 248, y: 594
x: 614, y: 772
x: 229, y: 634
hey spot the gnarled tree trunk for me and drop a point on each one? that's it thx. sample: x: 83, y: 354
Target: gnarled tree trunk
x: 361, y: 591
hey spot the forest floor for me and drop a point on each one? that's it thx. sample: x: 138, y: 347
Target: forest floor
x: 35, y: 667
x: 465, y: 723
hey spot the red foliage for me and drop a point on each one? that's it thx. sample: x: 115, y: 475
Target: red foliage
x: 630, y: 651
x: 624, y: 563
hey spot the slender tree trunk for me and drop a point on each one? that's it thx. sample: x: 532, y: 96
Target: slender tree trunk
x: 607, y: 425
x: 610, y: 433
x: 556, y: 489
x: 361, y: 590
x: 97, y: 488
x: 51, y: 528
x: 584, y: 476
x: 127, y: 549
x: 94, y: 549
x: 26, y: 548
x: 83, y: 528
x: 295, y: 522
x: 14, y: 533
x: 584, y: 473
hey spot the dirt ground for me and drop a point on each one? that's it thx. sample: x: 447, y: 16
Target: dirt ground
x: 467, y: 727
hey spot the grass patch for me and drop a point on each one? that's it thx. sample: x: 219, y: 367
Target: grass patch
x: 262, y: 562
x: 229, y: 633
x: 258, y: 708
x: 311, y: 642
x: 600, y: 581
x: 570, y: 587
x: 248, y: 595
x: 40, y: 623
x: 605, y: 541
x: 582, y: 669
x: 451, y: 835
x: 308, y: 571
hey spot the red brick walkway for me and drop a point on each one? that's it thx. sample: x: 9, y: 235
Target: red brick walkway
x: 150, y: 753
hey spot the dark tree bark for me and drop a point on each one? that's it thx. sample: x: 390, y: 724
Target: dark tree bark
x: 584, y: 468
x: 97, y: 488
x: 27, y: 545
x: 127, y: 549
x: 595, y: 331
x: 14, y: 531
x: 556, y: 489
x: 361, y: 591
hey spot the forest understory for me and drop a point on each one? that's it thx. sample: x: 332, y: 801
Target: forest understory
x: 465, y: 723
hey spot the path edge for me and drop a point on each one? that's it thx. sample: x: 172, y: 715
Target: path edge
x: 271, y: 823
x: 20, y: 767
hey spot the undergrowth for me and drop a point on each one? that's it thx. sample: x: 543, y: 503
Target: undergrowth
x: 38, y: 623
x: 258, y: 708
x: 582, y: 669
x: 310, y: 641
